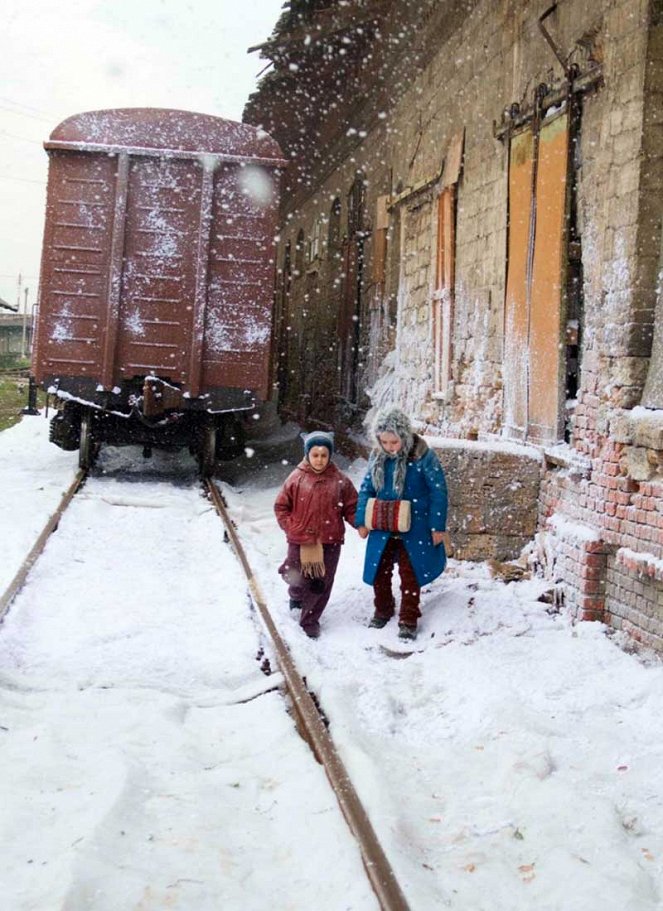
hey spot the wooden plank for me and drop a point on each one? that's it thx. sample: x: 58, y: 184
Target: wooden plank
x: 546, y: 379
x: 200, y: 298
x: 516, y: 307
x: 115, y: 272
x: 453, y: 160
x: 443, y: 314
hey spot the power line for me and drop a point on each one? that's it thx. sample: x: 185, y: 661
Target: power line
x: 22, y: 138
x: 26, y: 107
x: 25, y: 114
x: 22, y: 179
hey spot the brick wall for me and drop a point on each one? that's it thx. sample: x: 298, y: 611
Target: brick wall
x: 457, y: 69
x: 493, y: 493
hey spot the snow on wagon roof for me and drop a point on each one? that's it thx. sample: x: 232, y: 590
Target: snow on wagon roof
x: 161, y: 128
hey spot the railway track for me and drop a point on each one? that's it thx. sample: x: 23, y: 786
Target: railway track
x: 14, y: 373
x: 37, y: 549
x: 309, y: 720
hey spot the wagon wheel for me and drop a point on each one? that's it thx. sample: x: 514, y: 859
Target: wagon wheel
x: 207, y: 449
x: 86, y: 447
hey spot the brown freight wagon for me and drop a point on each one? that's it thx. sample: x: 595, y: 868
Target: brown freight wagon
x: 155, y: 300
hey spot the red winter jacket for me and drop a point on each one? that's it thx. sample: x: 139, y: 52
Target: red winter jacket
x: 311, y: 507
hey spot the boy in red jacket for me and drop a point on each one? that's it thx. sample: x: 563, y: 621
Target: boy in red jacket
x: 310, y: 508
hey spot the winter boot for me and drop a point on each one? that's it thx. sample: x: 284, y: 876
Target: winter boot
x: 405, y: 631
x: 378, y: 622
x: 313, y: 632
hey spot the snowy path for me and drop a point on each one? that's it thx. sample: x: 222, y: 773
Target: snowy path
x: 514, y: 762
x: 135, y: 774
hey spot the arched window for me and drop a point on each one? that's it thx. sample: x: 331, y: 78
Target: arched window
x: 356, y: 204
x: 316, y: 251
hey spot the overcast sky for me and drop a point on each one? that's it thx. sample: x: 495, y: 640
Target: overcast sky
x: 60, y: 58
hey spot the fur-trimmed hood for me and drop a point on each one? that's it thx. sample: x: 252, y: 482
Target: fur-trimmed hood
x: 394, y: 420
x: 418, y: 449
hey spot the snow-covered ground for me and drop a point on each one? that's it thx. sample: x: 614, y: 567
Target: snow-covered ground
x: 512, y: 762
x: 140, y: 766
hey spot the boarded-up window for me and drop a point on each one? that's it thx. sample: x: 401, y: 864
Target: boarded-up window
x: 445, y: 267
x: 533, y: 342
x: 380, y: 240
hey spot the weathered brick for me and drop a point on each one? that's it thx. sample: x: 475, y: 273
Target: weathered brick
x: 618, y: 209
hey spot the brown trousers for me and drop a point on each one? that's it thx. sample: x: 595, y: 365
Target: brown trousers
x: 313, y: 594
x: 394, y: 554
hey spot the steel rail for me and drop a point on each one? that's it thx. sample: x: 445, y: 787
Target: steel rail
x: 378, y: 868
x: 19, y: 579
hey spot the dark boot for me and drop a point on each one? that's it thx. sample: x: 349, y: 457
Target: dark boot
x: 295, y: 605
x: 378, y: 622
x: 312, y: 631
x: 406, y: 631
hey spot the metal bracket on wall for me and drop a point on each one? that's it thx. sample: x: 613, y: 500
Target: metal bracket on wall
x: 551, y: 94
x: 514, y: 117
x: 555, y: 49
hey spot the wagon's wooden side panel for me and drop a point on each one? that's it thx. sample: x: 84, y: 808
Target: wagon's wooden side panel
x: 158, y: 258
x: 75, y: 269
x: 240, y: 279
x: 159, y: 269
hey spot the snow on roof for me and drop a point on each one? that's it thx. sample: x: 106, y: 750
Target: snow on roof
x: 161, y: 128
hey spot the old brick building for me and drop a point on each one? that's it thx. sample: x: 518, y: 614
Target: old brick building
x: 471, y: 227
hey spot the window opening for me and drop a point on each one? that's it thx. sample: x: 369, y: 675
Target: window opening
x: 574, y: 282
x: 380, y: 241
x: 315, y: 247
x: 349, y: 321
x: 300, y: 247
x: 445, y: 265
x: 334, y: 229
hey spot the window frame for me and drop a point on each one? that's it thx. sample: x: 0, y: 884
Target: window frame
x: 444, y: 293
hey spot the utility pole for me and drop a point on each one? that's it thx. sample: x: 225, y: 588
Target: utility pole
x: 18, y: 293
x: 31, y: 407
x: 24, y: 352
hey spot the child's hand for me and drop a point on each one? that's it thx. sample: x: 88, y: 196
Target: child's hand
x: 363, y: 531
x: 443, y: 537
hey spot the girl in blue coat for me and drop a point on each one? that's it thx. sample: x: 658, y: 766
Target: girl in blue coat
x: 402, y: 467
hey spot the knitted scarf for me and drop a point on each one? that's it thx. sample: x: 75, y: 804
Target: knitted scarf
x: 311, y: 557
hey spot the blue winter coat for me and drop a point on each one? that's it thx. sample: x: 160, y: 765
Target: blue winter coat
x: 426, y: 488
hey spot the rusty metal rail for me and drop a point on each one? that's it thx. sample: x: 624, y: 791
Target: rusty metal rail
x: 19, y: 579
x: 308, y: 719
x: 14, y: 373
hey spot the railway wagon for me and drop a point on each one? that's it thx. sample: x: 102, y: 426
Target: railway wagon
x: 155, y: 301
